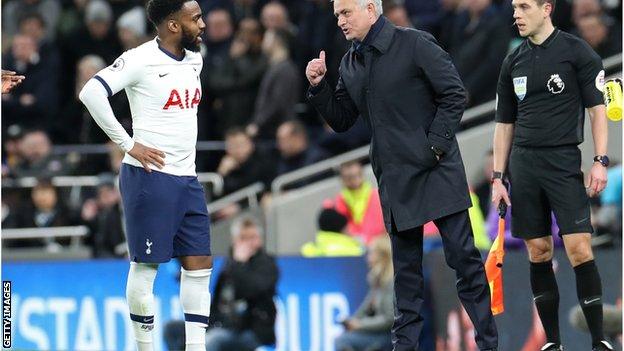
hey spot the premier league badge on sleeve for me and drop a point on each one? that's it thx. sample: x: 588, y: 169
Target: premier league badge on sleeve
x: 117, y: 65
x: 520, y: 87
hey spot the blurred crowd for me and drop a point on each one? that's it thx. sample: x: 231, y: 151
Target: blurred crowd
x: 254, y: 54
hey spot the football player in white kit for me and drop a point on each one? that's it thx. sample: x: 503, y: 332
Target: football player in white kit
x: 164, y: 204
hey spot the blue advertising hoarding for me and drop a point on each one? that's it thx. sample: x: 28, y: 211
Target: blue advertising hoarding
x: 80, y: 305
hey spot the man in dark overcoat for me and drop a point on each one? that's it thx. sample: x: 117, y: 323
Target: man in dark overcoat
x: 409, y: 93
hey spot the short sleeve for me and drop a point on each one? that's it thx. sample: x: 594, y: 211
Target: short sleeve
x: 506, y: 102
x: 590, y: 75
x: 124, y: 72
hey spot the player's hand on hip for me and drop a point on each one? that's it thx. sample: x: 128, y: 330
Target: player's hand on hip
x: 147, y: 155
x: 316, y: 69
x: 597, y: 179
x: 499, y: 192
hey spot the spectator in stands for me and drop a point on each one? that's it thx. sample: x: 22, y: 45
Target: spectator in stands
x: 34, y: 102
x: 602, y: 34
x: 11, y: 153
x: 274, y: 15
x: 332, y: 240
x: 103, y: 216
x: 13, y: 11
x: 235, y: 83
x: 242, y: 315
x: 243, y: 164
x: 294, y: 148
x: 369, y: 328
x: 34, y: 25
x: 36, y: 151
x: 359, y: 202
x: 97, y: 37
x: 46, y: 210
x: 219, y: 34
x: 478, y: 46
x: 397, y: 14
x: 583, y: 8
x: 131, y: 28
x: 280, y: 87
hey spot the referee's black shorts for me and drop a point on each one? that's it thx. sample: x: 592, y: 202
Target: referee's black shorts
x: 545, y: 180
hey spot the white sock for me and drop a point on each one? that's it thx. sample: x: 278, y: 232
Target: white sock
x: 139, y: 293
x: 195, y: 299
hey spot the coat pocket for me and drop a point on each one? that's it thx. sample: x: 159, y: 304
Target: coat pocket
x: 422, y: 149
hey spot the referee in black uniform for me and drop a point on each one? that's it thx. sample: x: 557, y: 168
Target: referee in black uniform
x: 544, y: 87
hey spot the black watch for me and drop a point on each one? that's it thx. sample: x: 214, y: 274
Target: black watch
x: 603, y: 159
x: 497, y: 175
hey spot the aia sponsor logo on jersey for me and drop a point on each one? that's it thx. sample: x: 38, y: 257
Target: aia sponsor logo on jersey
x: 182, y: 99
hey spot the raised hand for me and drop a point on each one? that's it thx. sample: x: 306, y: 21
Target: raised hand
x: 10, y: 80
x: 316, y: 69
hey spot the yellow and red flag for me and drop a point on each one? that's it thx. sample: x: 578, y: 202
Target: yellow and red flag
x: 494, y: 264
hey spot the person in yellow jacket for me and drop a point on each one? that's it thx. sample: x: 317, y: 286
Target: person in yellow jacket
x: 331, y: 240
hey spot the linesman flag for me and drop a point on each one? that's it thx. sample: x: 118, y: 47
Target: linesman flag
x: 494, y: 263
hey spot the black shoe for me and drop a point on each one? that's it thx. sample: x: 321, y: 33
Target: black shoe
x: 551, y: 346
x: 602, y: 346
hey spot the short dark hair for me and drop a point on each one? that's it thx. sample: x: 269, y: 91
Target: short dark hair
x: 31, y: 15
x: 158, y: 10
x: 551, y: 2
x: 44, y: 182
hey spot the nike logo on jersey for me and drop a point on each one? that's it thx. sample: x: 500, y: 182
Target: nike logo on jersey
x: 162, y: 75
x: 581, y: 220
x: 587, y: 302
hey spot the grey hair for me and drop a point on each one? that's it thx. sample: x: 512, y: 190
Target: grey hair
x: 376, y: 3
x: 94, y: 61
x: 243, y: 221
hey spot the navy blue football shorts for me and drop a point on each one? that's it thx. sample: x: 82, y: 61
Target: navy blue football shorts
x: 165, y: 215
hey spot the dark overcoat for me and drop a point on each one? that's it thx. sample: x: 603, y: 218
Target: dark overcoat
x: 409, y: 93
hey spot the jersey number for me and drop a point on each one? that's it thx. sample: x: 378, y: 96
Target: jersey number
x: 175, y: 100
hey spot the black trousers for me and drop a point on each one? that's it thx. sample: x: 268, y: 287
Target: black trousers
x: 472, y: 286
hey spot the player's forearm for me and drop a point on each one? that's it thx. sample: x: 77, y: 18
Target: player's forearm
x: 600, y: 131
x: 503, y: 136
x: 94, y: 97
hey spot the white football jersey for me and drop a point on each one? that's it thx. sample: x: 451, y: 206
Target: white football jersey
x: 164, y: 92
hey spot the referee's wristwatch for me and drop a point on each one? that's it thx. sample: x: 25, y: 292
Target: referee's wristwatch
x: 602, y: 159
x: 496, y: 175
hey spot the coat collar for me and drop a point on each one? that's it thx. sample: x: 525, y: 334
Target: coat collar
x: 382, y: 40
x: 379, y: 36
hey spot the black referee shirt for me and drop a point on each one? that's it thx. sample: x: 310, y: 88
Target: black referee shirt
x: 544, y: 89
